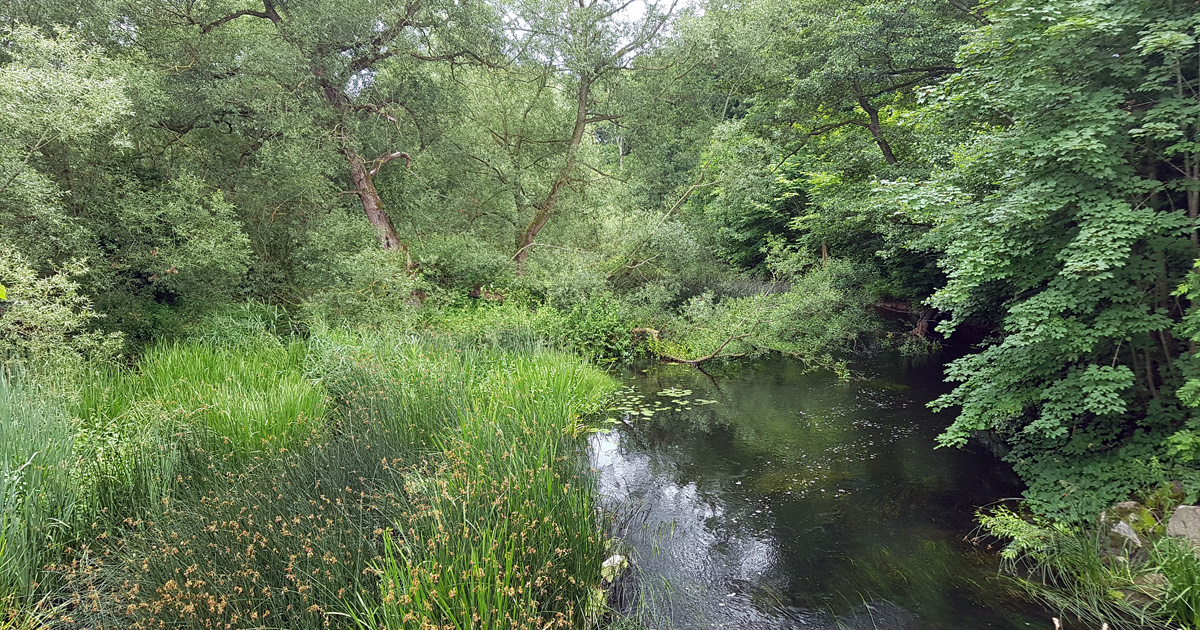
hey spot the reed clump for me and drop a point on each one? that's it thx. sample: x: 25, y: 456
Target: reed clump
x: 37, y: 499
x: 346, y: 480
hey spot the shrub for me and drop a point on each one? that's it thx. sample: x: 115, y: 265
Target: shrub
x: 45, y: 323
x: 462, y: 262
x: 374, y: 288
x: 598, y: 328
x: 822, y: 317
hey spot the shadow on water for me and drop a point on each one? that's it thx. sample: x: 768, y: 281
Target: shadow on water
x: 785, y: 499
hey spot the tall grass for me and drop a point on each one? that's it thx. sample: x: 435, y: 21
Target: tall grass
x: 36, y: 496
x: 139, y: 427
x: 131, y: 451
x: 399, y: 391
x: 503, y: 530
x: 446, y: 489
x: 1179, y: 599
x: 1068, y: 569
x: 508, y: 534
x: 253, y: 398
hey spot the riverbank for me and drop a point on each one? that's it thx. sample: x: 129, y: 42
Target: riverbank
x: 339, y: 480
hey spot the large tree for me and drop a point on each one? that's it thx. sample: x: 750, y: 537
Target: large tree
x: 1073, y: 213
x: 573, y: 47
x: 346, y: 75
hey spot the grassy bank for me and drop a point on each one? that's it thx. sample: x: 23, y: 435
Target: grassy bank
x: 348, y: 480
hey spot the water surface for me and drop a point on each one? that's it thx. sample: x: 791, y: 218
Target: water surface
x: 796, y: 500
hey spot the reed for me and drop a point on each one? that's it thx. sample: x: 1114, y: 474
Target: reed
x: 443, y: 487
x: 502, y: 530
x: 252, y: 398
x: 36, y: 496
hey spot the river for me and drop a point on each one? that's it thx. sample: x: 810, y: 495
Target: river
x: 763, y: 496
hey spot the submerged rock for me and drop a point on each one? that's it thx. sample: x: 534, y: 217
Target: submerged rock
x: 1185, y: 523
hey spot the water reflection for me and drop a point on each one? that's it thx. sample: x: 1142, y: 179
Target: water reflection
x: 798, y: 501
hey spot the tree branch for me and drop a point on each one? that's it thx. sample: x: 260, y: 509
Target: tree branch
x: 268, y: 13
x: 384, y: 159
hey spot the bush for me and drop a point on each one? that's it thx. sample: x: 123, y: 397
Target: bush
x: 45, y: 322
x: 821, y: 318
x: 461, y: 262
x: 374, y: 288
x: 599, y: 329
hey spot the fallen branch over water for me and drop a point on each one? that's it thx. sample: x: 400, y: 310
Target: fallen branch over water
x: 653, y: 334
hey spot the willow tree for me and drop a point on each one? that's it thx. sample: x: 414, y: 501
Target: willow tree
x: 566, y: 49
x: 355, y: 73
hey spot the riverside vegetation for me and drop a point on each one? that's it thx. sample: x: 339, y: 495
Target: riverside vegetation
x: 304, y: 304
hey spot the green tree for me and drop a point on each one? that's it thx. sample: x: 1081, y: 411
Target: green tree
x: 323, y: 77
x: 55, y: 92
x: 824, y: 96
x: 1073, y: 213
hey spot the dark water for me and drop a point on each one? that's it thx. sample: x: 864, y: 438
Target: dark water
x: 800, y: 501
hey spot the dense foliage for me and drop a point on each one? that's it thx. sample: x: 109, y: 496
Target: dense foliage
x: 233, y: 233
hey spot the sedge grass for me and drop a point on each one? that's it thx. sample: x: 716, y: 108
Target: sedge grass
x: 504, y: 531
x: 253, y: 398
x: 138, y: 427
x: 445, y: 486
x: 1179, y: 566
x: 36, y: 496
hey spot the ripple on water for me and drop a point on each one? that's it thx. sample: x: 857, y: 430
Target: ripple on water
x: 792, y: 500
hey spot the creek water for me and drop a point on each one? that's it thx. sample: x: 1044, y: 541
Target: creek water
x: 764, y: 496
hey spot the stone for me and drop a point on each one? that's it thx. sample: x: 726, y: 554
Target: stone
x: 613, y: 567
x: 1185, y: 523
x: 1124, y: 508
x: 1148, y: 588
x: 1122, y: 533
x: 1122, y: 542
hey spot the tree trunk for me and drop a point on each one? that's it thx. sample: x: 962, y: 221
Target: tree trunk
x: 364, y: 187
x: 877, y: 130
x: 545, y: 209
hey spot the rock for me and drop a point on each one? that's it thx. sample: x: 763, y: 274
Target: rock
x: 613, y: 567
x: 1185, y: 523
x: 1123, y: 509
x: 1149, y: 589
x: 1122, y: 542
x: 1122, y: 535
